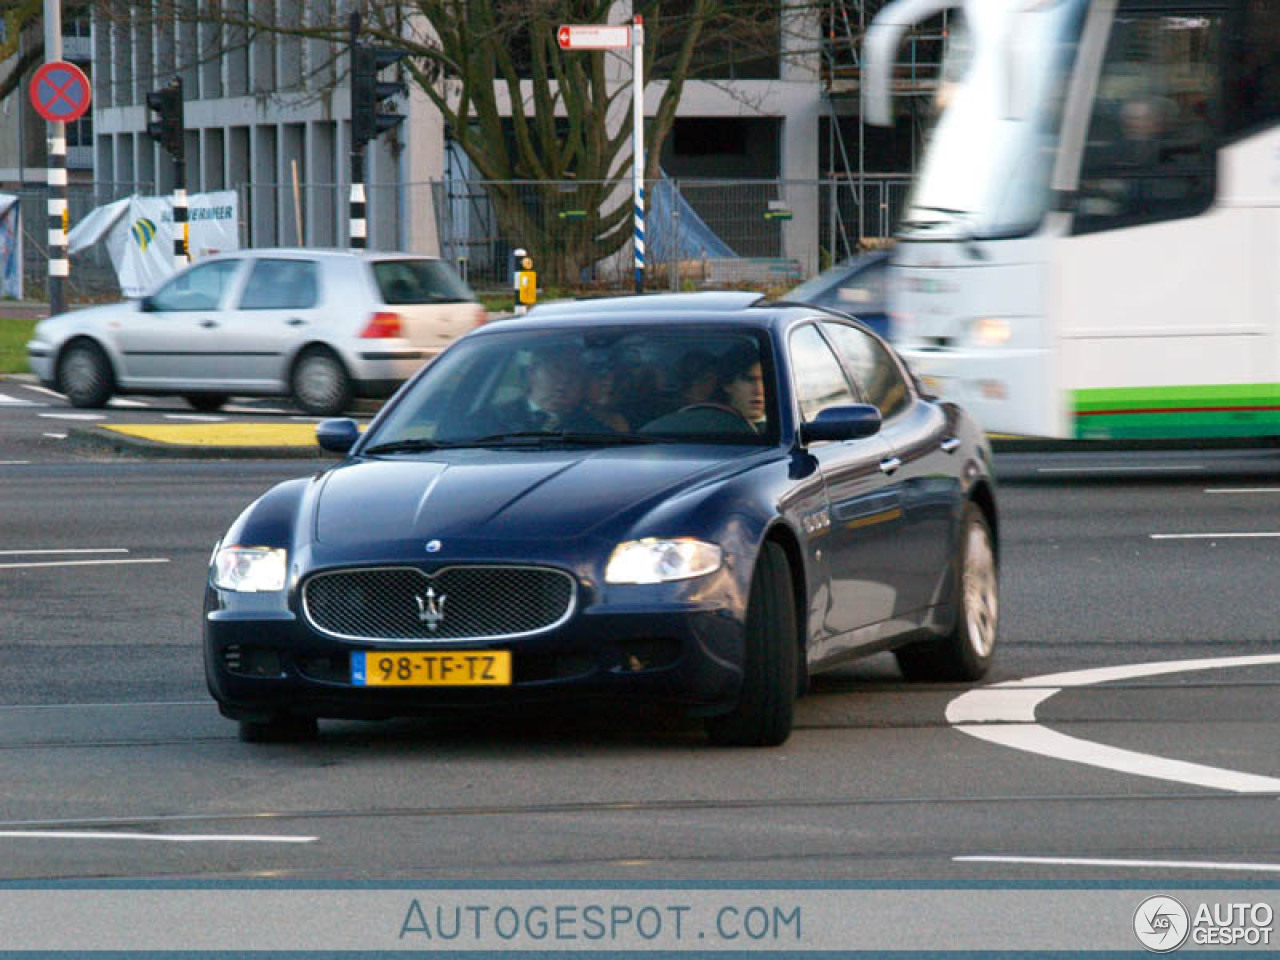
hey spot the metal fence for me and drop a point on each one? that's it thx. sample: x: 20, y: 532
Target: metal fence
x: 699, y: 233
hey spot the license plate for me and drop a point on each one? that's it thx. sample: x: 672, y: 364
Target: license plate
x: 435, y: 668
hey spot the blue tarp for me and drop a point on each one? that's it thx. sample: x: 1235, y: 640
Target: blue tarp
x: 682, y: 237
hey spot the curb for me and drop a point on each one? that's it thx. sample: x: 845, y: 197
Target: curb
x: 102, y: 441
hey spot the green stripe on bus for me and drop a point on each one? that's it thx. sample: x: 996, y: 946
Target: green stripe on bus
x: 1151, y: 412
x: 1236, y: 394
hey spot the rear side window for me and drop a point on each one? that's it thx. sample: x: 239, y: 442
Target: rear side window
x: 419, y: 281
x: 281, y: 285
x: 873, y: 369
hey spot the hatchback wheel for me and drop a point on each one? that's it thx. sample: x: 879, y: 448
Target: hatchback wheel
x: 320, y: 383
x: 84, y: 375
x: 966, y: 652
x: 206, y: 402
x: 279, y: 728
x: 766, y: 704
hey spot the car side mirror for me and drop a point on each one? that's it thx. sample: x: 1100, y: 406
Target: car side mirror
x: 337, y: 436
x: 847, y: 422
x: 147, y: 305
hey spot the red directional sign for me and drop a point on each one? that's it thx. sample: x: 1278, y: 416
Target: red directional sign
x: 60, y: 91
x: 593, y: 37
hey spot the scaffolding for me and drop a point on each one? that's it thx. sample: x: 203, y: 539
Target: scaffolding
x: 915, y: 81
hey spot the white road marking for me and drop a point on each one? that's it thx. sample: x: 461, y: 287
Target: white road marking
x: 122, y: 402
x: 81, y: 563
x: 1214, y: 536
x: 25, y: 553
x: 13, y: 463
x: 46, y: 391
x: 8, y: 401
x: 162, y: 837
x: 1243, y: 490
x: 1005, y: 714
x: 56, y: 436
x: 1137, y: 864
x: 197, y: 417
x: 236, y: 408
x: 1118, y: 469
x: 73, y: 416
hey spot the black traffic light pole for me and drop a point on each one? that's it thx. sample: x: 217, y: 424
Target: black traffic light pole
x: 168, y: 129
x: 368, y: 118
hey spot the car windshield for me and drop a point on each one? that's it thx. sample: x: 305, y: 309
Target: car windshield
x: 419, y: 281
x: 603, y: 386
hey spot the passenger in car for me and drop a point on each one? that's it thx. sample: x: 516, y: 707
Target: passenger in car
x: 554, y: 400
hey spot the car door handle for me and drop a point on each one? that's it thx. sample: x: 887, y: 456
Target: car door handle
x: 208, y: 324
x: 950, y: 445
x: 296, y: 322
x: 890, y: 466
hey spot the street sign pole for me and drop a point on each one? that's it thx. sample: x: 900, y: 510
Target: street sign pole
x: 59, y: 265
x: 637, y: 145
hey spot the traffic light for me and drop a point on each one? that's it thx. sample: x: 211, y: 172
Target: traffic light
x: 369, y: 116
x: 167, y: 126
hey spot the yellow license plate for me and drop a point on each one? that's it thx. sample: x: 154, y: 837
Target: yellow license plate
x: 436, y: 668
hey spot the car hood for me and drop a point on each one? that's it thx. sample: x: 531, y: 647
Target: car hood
x: 550, y: 494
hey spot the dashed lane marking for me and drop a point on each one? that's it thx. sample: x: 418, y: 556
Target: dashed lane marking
x: 1005, y: 714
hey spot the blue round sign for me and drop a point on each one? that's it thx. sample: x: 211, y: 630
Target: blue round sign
x: 60, y: 91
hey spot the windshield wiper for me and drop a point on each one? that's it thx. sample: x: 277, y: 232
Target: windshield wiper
x: 559, y: 436
x: 408, y: 446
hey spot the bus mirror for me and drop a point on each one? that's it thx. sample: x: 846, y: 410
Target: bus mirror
x: 880, y: 52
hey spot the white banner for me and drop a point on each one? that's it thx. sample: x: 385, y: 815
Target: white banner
x: 10, y: 247
x: 138, y: 233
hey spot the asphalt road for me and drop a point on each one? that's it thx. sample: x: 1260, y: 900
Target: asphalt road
x: 105, y: 726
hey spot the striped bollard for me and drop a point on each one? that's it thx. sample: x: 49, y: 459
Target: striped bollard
x: 358, y: 228
x: 179, y: 228
x: 59, y: 265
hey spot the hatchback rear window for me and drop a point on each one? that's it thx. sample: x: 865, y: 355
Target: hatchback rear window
x: 419, y: 281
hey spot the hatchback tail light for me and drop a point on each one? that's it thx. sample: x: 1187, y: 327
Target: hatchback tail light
x: 381, y: 326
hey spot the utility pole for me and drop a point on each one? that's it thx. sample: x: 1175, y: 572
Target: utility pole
x: 59, y: 265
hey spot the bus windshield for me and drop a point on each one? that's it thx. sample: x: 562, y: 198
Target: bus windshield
x: 989, y: 162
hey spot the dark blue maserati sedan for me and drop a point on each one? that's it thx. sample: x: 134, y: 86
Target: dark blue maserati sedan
x: 699, y: 500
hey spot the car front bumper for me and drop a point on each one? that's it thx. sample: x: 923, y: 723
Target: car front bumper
x: 682, y: 654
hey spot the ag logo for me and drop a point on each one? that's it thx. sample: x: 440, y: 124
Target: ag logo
x: 144, y: 231
x: 1161, y: 924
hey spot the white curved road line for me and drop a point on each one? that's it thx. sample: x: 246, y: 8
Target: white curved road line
x: 1005, y: 714
x: 1136, y: 864
x: 162, y: 837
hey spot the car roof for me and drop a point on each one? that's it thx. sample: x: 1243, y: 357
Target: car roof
x: 711, y: 307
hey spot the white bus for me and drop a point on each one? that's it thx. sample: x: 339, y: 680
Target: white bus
x: 1092, y: 245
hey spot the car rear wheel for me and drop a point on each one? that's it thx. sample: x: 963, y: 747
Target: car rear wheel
x: 279, y: 728
x: 320, y: 383
x: 206, y: 402
x: 966, y: 652
x: 84, y: 375
x: 766, y: 704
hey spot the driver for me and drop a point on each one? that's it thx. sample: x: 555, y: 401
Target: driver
x: 555, y: 390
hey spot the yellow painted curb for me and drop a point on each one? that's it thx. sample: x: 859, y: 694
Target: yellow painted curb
x: 223, y: 434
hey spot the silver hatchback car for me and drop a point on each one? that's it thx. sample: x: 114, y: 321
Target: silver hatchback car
x: 320, y: 326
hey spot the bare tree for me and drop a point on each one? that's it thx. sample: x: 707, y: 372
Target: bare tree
x: 528, y: 115
x: 24, y: 18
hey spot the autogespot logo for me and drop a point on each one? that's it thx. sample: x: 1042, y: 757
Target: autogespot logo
x: 1161, y: 924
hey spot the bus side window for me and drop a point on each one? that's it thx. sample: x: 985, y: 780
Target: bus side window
x: 1253, y: 88
x: 1151, y: 148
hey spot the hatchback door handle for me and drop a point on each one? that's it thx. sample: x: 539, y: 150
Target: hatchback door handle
x: 207, y: 324
x: 950, y: 445
x: 890, y: 465
x: 296, y: 322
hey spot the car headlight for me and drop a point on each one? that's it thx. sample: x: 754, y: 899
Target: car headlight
x: 658, y: 561
x: 250, y: 569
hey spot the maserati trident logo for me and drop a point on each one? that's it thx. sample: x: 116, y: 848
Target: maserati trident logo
x: 431, y: 607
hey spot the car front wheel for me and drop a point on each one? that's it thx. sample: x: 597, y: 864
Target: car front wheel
x: 763, y: 714
x: 84, y: 375
x: 320, y: 383
x: 966, y: 652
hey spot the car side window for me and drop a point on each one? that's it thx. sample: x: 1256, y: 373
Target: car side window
x: 819, y: 382
x: 874, y: 370
x: 200, y: 288
x: 281, y: 285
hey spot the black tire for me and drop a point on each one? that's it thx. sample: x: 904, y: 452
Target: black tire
x: 967, y: 651
x: 84, y: 375
x: 206, y: 402
x: 320, y: 383
x: 280, y: 728
x: 771, y: 647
